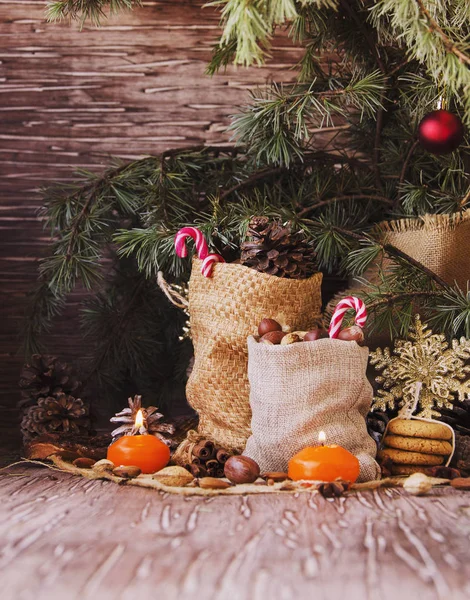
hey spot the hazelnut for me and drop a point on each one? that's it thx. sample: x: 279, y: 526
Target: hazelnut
x: 352, y: 334
x: 127, y: 471
x: 268, y: 325
x: 290, y: 338
x: 315, y: 334
x: 274, y: 337
x: 241, y: 469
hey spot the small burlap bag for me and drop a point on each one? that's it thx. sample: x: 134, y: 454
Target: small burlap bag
x: 301, y: 389
x: 224, y: 310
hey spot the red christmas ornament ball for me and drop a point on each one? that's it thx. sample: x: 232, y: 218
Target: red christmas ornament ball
x: 440, y: 132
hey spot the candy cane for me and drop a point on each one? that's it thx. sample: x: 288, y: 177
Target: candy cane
x: 198, y: 237
x: 209, y: 262
x: 341, y: 308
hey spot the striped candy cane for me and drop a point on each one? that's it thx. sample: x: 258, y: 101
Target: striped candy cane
x: 209, y: 262
x: 201, y: 245
x: 341, y: 308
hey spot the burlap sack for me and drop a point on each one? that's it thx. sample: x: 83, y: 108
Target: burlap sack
x: 302, y: 389
x: 224, y: 310
x: 439, y: 242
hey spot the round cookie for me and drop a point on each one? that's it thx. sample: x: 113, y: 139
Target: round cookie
x: 422, y: 429
x: 403, y: 457
x: 416, y: 444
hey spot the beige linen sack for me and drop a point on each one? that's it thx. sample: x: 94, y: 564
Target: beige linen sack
x: 224, y: 310
x: 301, y: 389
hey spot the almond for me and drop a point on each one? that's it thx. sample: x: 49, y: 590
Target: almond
x: 212, y: 483
x: 461, y: 483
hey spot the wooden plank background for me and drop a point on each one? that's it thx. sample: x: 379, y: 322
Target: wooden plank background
x: 73, y: 99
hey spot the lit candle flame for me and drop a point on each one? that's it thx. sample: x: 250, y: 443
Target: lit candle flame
x: 139, y: 420
x: 322, y: 438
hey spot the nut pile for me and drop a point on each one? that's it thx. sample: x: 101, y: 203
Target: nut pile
x: 271, y: 332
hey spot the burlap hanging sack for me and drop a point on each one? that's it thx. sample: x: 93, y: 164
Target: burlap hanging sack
x: 301, y: 389
x: 224, y: 310
x: 439, y: 242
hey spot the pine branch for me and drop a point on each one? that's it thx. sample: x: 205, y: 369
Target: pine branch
x: 396, y: 253
x: 411, y: 151
x: 390, y: 298
x: 277, y: 127
x: 118, y: 329
x: 433, y: 26
x: 442, y: 47
x: 83, y: 10
x: 252, y: 179
x: 373, y: 46
x: 351, y: 198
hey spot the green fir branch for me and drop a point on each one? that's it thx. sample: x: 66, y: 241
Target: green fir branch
x: 86, y: 10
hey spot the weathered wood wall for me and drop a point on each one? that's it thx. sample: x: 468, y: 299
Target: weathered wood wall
x: 72, y: 99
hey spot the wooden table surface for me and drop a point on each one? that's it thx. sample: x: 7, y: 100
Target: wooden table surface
x: 66, y: 537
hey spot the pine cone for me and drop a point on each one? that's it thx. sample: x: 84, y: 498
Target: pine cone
x: 60, y: 413
x: 458, y: 417
x: 275, y: 250
x: 152, y: 424
x: 46, y: 376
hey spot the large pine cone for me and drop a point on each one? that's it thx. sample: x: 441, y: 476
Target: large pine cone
x: 274, y: 249
x: 152, y: 421
x: 46, y: 376
x: 60, y: 413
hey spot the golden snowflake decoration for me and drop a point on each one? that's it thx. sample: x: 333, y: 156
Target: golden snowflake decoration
x: 427, y: 358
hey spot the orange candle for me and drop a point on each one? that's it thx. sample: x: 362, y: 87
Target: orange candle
x: 324, y: 463
x: 144, y: 451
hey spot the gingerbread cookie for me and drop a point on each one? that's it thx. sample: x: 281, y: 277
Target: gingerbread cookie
x: 403, y: 457
x: 420, y: 429
x: 417, y: 444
